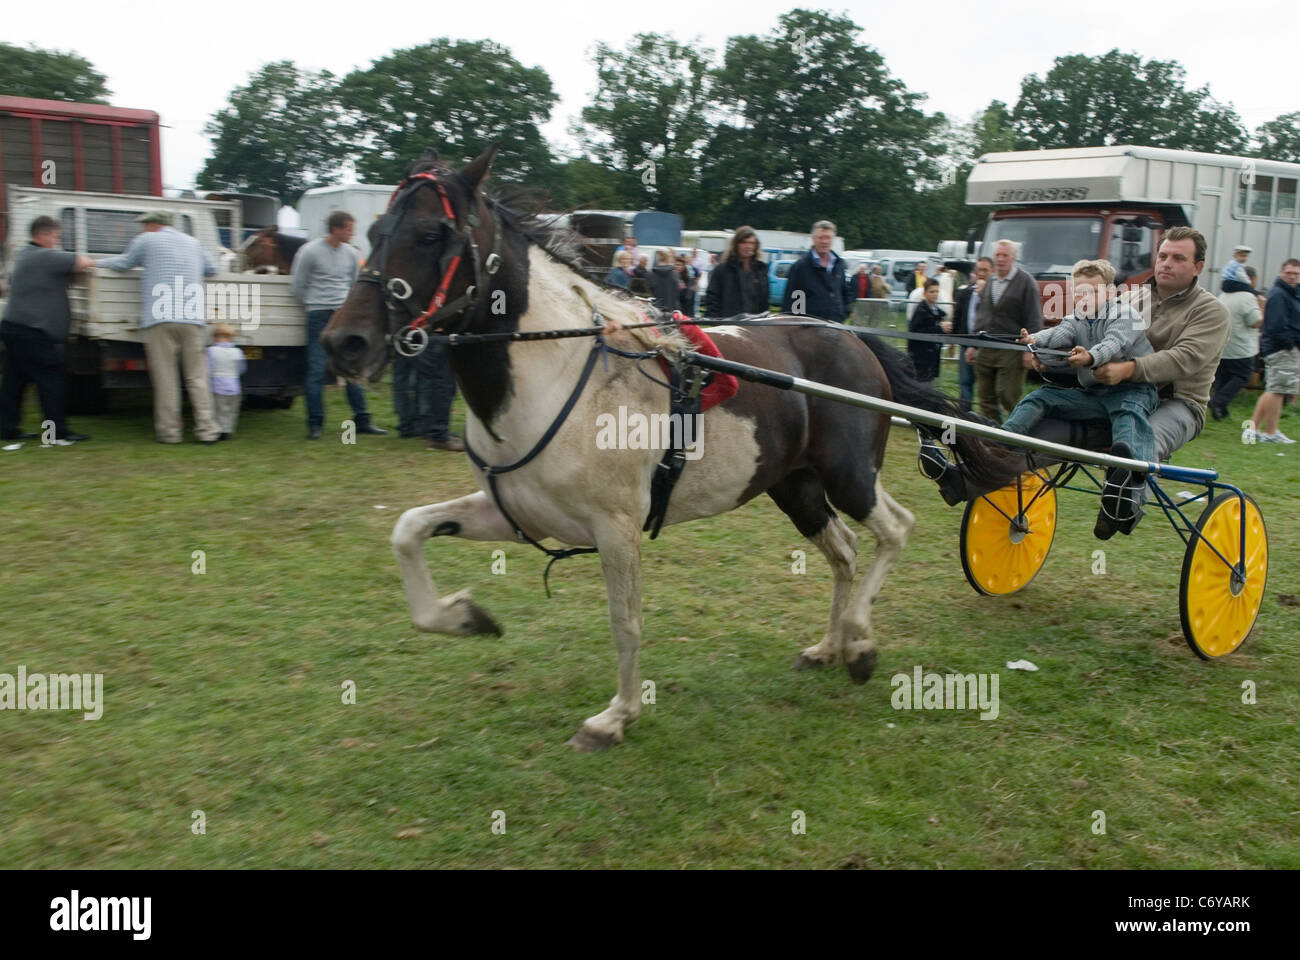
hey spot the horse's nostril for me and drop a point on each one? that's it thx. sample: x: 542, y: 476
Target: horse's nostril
x: 353, y: 345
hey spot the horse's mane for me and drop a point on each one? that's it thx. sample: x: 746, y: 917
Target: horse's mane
x: 520, y: 209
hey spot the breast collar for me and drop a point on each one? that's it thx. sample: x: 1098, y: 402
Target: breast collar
x: 439, y: 314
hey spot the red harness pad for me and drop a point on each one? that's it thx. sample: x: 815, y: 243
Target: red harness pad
x: 723, y: 386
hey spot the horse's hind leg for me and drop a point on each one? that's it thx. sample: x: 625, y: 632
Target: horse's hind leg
x: 891, y: 523
x: 474, y: 517
x: 801, y: 496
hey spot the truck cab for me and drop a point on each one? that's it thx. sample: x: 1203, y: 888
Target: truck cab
x: 1052, y: 239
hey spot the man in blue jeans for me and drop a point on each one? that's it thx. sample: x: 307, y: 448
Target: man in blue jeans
x: 423, y: 389
x: 323, y: 272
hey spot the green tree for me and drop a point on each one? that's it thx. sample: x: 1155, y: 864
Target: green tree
x: 455, y: 96
x: 277, y: 135
x: 647, y: 123
x: 584, y: 184
x: 992, y: 130
x: 813, y: 126
x: 1280, y: 139
x: 50, y: 75
x: 1116, y: 98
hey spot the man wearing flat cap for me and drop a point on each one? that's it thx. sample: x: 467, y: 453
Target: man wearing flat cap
x: 1234, y: 278
x: 173, y: 308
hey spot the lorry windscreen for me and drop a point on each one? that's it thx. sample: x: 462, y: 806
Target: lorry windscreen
x: 1049, y: 246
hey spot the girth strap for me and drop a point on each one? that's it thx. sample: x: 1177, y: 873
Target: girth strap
x: 597, y: 348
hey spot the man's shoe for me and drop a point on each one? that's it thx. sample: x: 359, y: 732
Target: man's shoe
x: 208, y: 443
x: 20, y: 435
x: 369, y: 427
x: 1278, y: 437
x: 313, y: 433
x: 74, y: 437
x: 450, y: 442
x: 225, y: 436
x: 1218, y: 413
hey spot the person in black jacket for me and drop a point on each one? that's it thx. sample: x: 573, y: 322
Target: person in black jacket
x: 664, y: 284
x: 738, y: 285
x: 927, y: 318
x: 816, y: 286
x: 965, y: 308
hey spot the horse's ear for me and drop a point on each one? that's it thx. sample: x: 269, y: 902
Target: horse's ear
x: 430, y: 155
x: 478, y: 168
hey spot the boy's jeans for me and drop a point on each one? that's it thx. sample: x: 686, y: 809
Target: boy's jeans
x: 1128, y: 407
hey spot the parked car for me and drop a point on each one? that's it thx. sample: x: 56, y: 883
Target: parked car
x: 778, y: 272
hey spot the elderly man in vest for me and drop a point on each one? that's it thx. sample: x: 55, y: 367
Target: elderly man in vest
x: 1010, y: 301
x: 173, y: 318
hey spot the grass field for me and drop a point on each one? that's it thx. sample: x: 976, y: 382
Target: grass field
x: 223, y: 691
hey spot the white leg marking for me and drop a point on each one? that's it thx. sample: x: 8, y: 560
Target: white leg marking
x: 619, y: 543
x: 474, y: 517
x: 891, y: 524
x: 839, y: 545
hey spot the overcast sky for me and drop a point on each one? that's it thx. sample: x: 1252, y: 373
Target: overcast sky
x: 182, y: 60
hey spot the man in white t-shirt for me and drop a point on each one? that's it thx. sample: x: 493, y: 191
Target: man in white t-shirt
x: 1237, y: 362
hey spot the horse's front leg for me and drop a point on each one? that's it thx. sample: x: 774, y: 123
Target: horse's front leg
x: 474, y: 517
x: 620, y: 560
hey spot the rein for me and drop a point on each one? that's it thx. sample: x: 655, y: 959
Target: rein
x: 979, y: 340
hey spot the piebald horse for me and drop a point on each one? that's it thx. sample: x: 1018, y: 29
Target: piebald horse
x: 814, y: 457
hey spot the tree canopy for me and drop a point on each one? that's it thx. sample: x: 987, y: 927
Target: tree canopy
x: 1117, y: 98
x: 279, y: 134
x: 50, y: 75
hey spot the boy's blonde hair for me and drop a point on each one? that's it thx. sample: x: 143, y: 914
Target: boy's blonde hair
x: 1094, y: 268
x: 223, y: 331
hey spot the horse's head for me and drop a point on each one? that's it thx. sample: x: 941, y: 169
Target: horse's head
x: 259, y: 249
x: 432, y: 257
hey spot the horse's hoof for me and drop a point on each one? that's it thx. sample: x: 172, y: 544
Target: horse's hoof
x: 473, y: 619
x: 479, y: 622
x: 862, y: 668
x: 592, y: 741
x: 805, y: 662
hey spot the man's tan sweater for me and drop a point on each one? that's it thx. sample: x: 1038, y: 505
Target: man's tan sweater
x: 1187, y: 331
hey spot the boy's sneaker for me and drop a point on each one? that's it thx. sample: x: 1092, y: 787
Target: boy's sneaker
x: 1278, y: 437
x: 1119, y: 506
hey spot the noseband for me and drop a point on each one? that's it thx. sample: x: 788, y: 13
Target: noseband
x: 411, y: 340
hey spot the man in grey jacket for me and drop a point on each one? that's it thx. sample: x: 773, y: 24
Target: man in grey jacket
x: 323, y: 272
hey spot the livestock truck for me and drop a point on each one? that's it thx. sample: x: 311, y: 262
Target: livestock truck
x: 94, y: 169
x: 1116, y: 202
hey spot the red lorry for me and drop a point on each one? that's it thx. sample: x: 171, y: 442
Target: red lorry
x: 77, y: 146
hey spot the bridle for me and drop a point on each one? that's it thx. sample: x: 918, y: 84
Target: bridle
x: 411, y: 340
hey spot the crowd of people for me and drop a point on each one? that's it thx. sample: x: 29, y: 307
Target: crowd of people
x: 1151, y: 361
x: 38, y: 317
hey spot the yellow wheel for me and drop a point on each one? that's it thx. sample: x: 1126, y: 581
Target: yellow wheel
x: 1217, y: 604
x: 1006, y: 534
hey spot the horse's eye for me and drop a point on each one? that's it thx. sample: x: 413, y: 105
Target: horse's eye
x: 428, y: 239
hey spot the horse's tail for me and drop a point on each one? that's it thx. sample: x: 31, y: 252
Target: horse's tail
x: 987, y: 466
